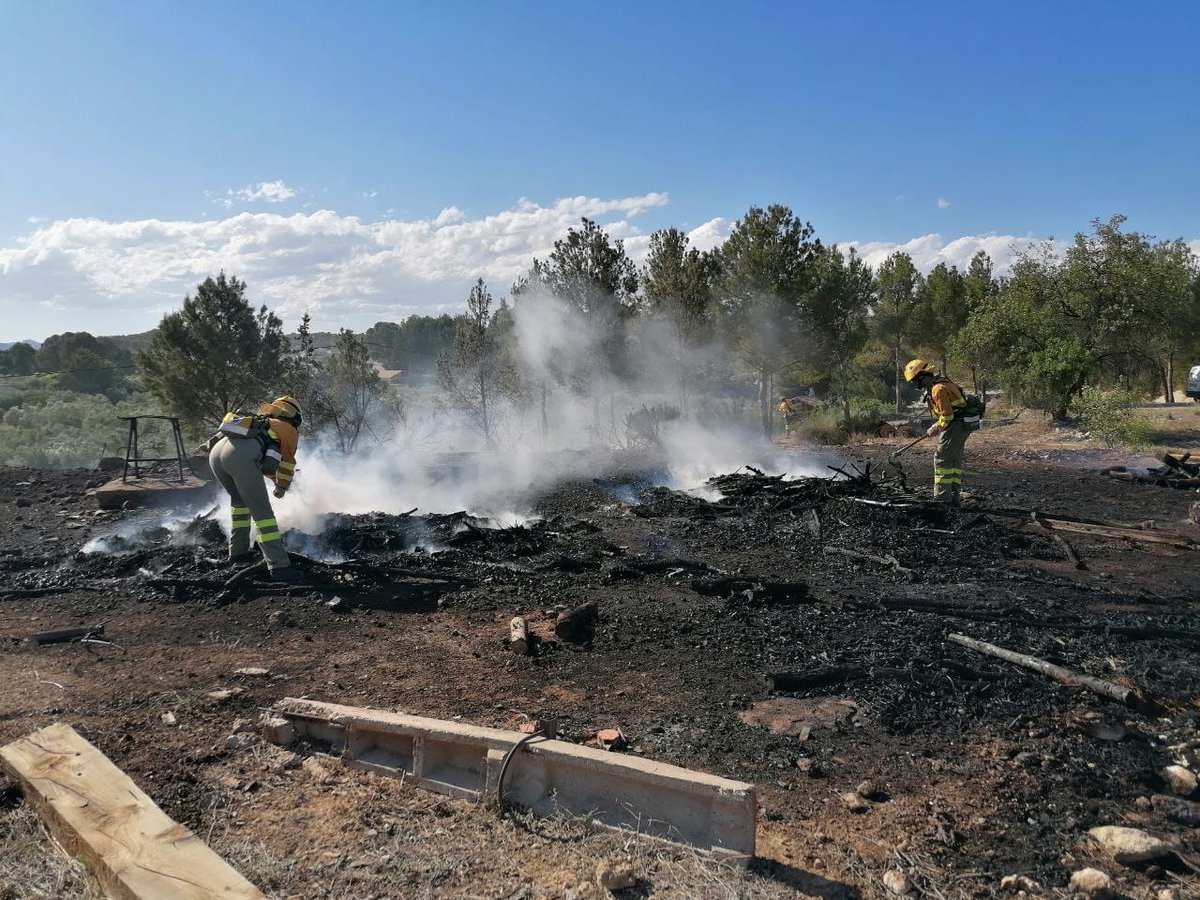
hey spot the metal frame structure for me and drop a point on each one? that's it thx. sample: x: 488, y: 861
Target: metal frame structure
x: 132, y: 453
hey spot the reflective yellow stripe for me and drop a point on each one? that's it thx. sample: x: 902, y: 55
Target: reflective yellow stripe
x: 273, y: 536
x: 287, y: 465
x: 940, y: 471
x: 239, y: 510
x: 267, y: 523
x: 946, y: 479
x: 283, y: 476
x: 271, y: 433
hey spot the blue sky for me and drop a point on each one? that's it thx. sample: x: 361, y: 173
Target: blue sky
x: 1022, y: 119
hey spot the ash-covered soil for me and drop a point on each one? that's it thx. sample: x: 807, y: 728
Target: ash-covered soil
x: 831, y: 599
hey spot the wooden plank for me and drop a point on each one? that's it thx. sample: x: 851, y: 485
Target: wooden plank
x: 135, y: 850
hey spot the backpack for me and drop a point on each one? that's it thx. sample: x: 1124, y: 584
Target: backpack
x: 241, y: 425
x: 971, y: 415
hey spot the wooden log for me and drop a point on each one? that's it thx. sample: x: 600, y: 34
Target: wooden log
x: 246, y: 574
x: 575, y: 625
x: 518, y: 636
x: 63, y: 635
x: 93, y: 809
x: 1120, y: 693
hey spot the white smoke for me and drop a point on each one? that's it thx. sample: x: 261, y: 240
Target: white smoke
x: 437, y: 463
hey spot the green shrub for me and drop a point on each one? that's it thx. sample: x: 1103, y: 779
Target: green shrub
x: 61, y: 429
x: 1110, y: 417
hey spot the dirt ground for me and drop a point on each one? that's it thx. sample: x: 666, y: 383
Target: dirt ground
x: 981, y: 770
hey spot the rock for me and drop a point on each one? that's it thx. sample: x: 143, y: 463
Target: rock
x: 1185, y: 812
x: 1169, y: 893
x: 615, y: 875
x: 810, y: 767
x: 1129, y: 845
x: 854, y: 802
x: 23, y: 502
x: 1092, y: 883
x: 1016, y: 884
x: 869, y: 789
x: 898, y: 883
x: 337, y: 604
x: 168, y: 719
x: 252, y: 672
x: 220, y: 696
x: 280, y: 618
x: 1181, y: 781
x: 797, y: 718
x: 240, y: 741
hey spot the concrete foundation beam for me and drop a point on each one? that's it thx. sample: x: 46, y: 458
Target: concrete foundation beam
x: 549, y: 777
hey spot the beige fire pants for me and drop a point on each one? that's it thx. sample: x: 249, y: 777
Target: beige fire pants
x: 235, y: 462
x: 948, y: 463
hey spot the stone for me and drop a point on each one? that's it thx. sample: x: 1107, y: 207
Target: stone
x: 252, y: 672
x: 241, y: 741
x: 810, y: 767
x: 337, y: 604
x: 168, y: 719
x: 1129, y: 846
x: 1181, y: 781
x: 868, y: 789
x: 1018, y: 884
x: 1092, y: 883
x: 223, y: 694
x: 854, y: 802
x: 793, y: 717
x: 1169, y: 893
x: 1185, y: 812
x: 898, y: 883
x: 615, y: 875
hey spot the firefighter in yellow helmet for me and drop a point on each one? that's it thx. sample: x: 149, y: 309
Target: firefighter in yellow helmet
x: 947, y: 403
x: 245, y: 449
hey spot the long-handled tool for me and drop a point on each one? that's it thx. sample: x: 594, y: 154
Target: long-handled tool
x: 907, y: 447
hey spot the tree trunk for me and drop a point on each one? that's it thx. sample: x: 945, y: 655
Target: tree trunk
x: 899, y: 376
x: 1170, y: 395
x: 764, y: 403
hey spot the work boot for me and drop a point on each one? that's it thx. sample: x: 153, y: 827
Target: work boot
x: 288, y: 575
x: 240, y: 559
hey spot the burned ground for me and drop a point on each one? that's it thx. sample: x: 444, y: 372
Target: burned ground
x: 982, y: 770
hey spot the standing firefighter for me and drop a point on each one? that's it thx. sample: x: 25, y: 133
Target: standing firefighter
x: 956, y: 415
x: 788, y: 411
x: 244, y: 450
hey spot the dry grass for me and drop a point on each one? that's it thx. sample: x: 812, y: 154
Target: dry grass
x: 32, y: 865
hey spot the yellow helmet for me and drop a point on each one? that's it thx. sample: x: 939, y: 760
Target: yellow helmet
x: 286, y: 407
x: 917, y: 367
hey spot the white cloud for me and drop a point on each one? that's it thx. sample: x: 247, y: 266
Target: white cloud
x: 942, y: 203
x: 119, y: 277
x: 930, y: 249
x: 113, y: 277
x: 270, y: 191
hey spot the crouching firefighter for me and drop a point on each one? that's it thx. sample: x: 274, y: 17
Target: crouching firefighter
x: 956, y: 415
x: 245, y: 450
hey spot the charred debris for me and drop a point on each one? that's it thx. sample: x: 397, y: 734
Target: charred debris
x: 797, y: 584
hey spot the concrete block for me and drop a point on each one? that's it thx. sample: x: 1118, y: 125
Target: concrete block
x: 147, y: 491
x: 549, y: 777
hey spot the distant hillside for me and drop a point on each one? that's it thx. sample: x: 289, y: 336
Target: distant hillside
x: 32, y: 343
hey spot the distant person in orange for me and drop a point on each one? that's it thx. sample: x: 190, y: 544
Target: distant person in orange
x: 245, y: 449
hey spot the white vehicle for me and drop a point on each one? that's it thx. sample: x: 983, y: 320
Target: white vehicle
x: 1193, y: 385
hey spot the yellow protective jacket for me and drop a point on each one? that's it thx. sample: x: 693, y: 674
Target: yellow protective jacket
x: 945, y: 399
x: 279, y: 442
x: 285, y: 440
